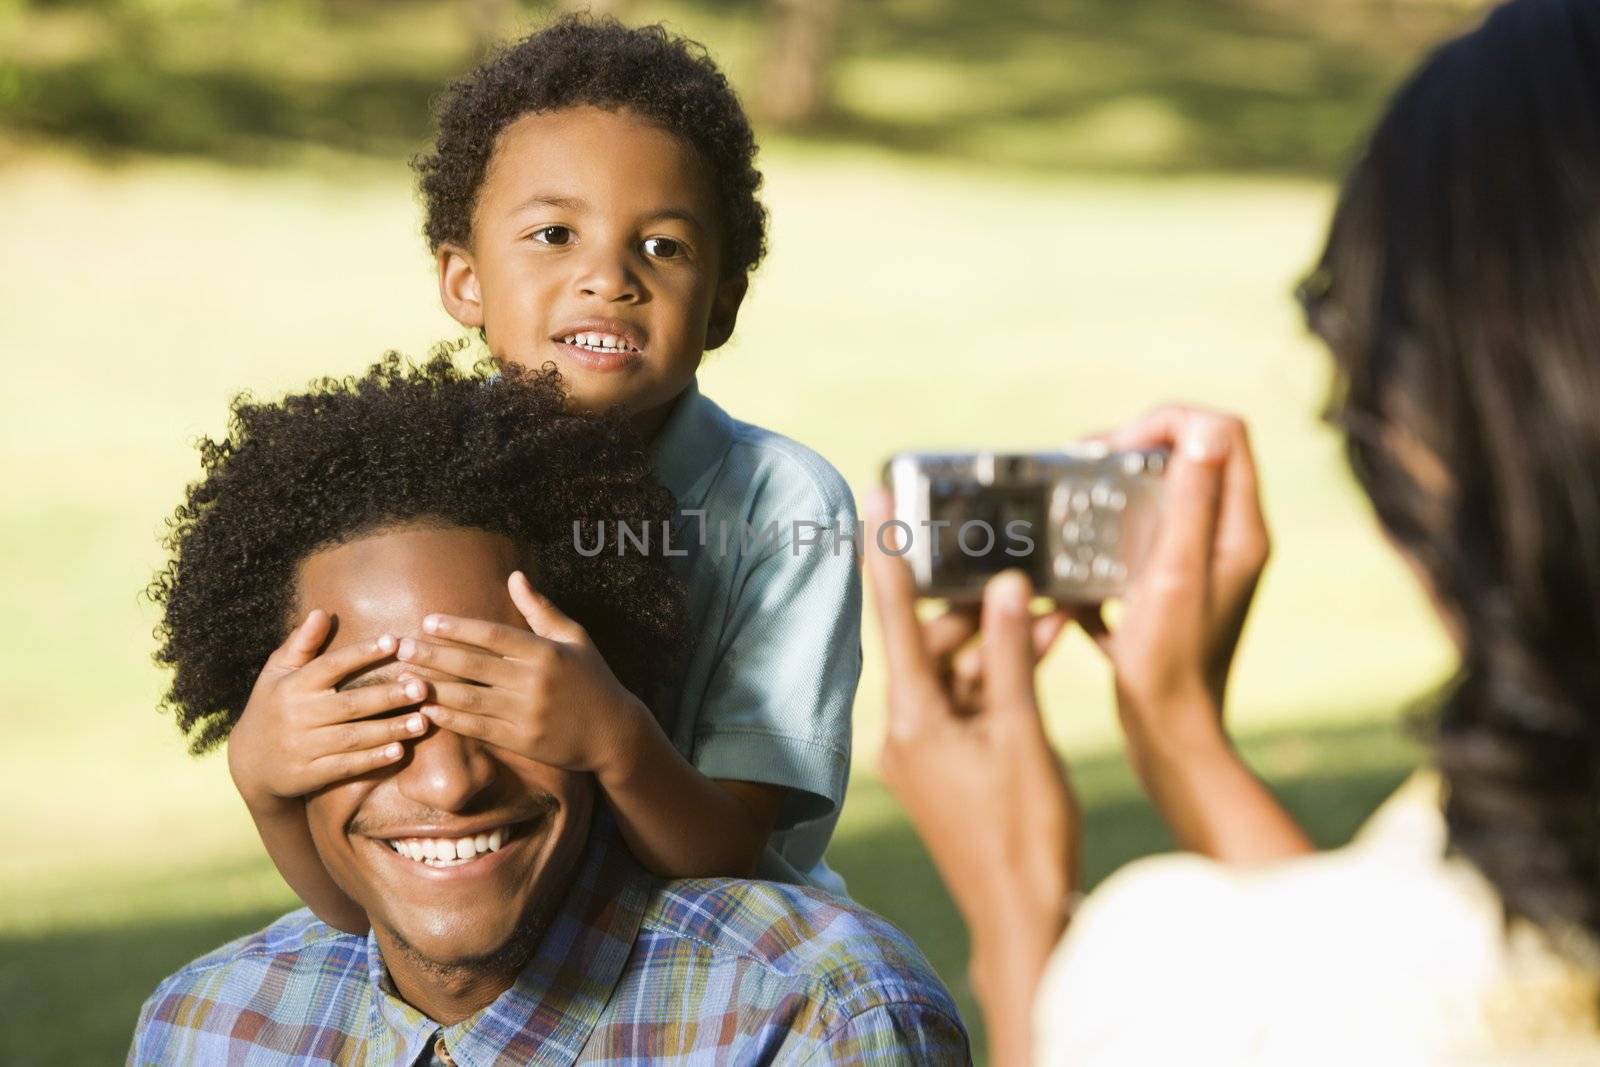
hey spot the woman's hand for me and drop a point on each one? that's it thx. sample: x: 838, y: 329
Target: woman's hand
x: 967, y: 755
x: 1185, y: 606
x: 1183, y: 614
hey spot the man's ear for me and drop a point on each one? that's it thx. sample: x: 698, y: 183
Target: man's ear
x: 725, y: 309
x: 458, y: 285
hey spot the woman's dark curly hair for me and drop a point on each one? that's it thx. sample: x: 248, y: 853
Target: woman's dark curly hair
x: 489, y: 448
x: 1460, y: 295
x: 665, y: 79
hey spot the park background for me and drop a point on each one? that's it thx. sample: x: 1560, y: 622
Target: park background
x: 1000, y: 224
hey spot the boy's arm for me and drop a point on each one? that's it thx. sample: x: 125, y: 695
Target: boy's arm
x: 521, y: 692
x: 286, y: 834
x: 777, y: 704
x: 678, y: 822
x: 547, y: 694
x: 299, y: 733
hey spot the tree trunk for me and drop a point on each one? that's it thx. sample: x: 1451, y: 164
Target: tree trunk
x: 615, y: 8
x: 796, y: 87
x: 488, y: 21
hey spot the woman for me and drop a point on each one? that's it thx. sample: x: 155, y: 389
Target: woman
x: 1459, y: 294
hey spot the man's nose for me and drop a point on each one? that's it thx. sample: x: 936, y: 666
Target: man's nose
x: 608, y: 272
x: 445, y: 771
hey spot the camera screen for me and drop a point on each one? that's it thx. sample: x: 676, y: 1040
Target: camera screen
x: 978, y: 531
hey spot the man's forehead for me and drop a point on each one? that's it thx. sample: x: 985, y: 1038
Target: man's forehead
x: 387, y: 581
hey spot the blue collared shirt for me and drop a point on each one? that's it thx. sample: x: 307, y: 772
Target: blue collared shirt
x: 630, y: 970
x: 768, y: 691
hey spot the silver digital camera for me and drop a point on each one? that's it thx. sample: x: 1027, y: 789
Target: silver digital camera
x: 1078, y: 522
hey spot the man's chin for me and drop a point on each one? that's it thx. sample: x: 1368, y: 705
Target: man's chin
x: 448, y: 948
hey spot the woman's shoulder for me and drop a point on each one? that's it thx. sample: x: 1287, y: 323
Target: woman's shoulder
x: 1404, y: 943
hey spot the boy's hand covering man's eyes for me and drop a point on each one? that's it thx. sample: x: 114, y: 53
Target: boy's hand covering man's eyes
x: 547, y: 695
x: 299, y: 732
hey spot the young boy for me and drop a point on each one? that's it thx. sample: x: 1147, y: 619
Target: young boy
x: 591, y: 203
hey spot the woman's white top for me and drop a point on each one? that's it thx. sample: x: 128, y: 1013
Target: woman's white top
x: 1382, y: 952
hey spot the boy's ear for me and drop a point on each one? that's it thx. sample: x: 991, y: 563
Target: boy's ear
x: 458, y: 285
x: 725, y: 310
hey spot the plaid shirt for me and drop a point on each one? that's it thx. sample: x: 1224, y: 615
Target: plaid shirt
x: 631, y: 970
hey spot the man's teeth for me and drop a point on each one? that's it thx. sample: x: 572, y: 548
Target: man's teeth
x: 449, y: 851
x: 599, y: 342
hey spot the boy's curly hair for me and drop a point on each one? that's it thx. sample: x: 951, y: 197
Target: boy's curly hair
x: 491, y: 448
x: 578, y: 60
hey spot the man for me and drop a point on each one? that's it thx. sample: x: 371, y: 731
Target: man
x: 509, y: 923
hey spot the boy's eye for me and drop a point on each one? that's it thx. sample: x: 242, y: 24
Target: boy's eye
x: 553, y: 235
x: 662, y: 247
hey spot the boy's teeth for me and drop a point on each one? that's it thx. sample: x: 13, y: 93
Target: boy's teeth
x: 451, y: 851
x: 605, y: 342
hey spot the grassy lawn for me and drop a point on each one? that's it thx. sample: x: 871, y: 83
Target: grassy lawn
x: 904, y: 304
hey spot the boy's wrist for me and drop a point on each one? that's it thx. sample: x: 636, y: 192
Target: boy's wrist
x: 266, y: 805
x: 254, y: 795
x: 627, y: 742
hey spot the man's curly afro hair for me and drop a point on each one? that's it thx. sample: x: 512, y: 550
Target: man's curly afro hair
x: 666, y: 79
x: 488, y: 448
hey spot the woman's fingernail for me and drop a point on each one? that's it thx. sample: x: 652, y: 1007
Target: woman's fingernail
x: 1010, y: 591
x: 393, y: 751
x: 386, y: 643
x: 415, y: 690
x: 414, y: 724
x: 1203, y: 445
x: 408, y: 648
x: 433, y: 624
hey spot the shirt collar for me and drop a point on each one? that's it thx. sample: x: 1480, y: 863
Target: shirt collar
x: 551, y: 1009
x: 690, y: 448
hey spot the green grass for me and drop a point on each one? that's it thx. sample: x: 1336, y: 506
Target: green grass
x: 904, y: 304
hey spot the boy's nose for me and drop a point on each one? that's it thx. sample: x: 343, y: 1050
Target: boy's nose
x: 609, y: 276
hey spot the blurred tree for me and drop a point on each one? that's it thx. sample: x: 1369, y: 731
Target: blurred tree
x: 616, y: 8
x: 797, y: 80
x: 491, y: 21
x: 488, y: 20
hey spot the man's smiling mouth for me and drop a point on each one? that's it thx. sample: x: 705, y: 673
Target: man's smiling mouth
x: 457, y: 851
x: 444, y: 852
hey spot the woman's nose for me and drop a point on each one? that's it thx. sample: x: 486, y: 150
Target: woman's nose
x: 445, y: 771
